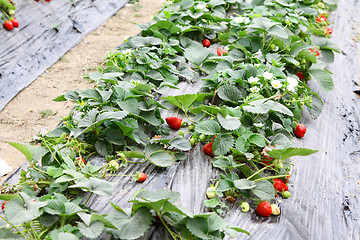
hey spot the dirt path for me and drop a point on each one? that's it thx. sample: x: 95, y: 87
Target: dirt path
x: 33, y: 108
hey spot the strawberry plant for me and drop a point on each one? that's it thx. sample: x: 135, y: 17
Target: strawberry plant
x: 7, y: 10
x: 252, y: 95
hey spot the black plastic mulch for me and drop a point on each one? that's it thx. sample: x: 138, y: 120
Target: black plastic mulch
x: 47, y: 31
x: 325, y: 187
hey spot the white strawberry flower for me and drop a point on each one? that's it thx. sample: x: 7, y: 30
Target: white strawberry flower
x: 254, y: 89
x: 259, y: 52
x: 253, y: 79
x: 291, y: 88
x: 239, y: 20
x: 276, y: 84
x: 268, y: 75
x: 126, y: 51
x: 226, y: 48
x: 292, y: 83
x: 200, y: 6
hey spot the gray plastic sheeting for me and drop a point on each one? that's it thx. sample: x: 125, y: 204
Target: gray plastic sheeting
x: 325, y: 186
x: 47, y: 31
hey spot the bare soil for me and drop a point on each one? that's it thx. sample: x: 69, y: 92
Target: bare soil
x: 33, y: 108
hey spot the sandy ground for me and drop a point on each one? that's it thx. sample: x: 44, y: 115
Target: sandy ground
x: 33, y: 108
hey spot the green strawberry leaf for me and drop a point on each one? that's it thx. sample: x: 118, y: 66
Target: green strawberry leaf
x: 229, y: 123
x: 162, y: 158
x: 7, y: 234
x: 244, y: 184
x: 323, y: 78
x: 222, y: 144
x: 257, y: 139
x: 206, y: 226
x: 264, y: 190
x: 230, y: 93
x: 181, y: 144
x: 315, y: 107
x: 287, y: 153
x: 208, y: 127
x: 130, y: 227
x: 104, y: 147
x: 196, y: 53
x: 182, y: 101
x: 93, y: 231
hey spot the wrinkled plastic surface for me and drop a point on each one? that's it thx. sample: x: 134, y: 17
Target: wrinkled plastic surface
x: 325, y: 186
x: 47, y: 31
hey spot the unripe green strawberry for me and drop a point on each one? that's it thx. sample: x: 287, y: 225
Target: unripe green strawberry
x: 192, y: 141
x: 245, y: 207
x: 202, y: 137
x: 275, y: 210
x: 278, y: 164
x: 211, y: 192
x: 286, y: 194
x: 191, y: 128
x: 113, y: 166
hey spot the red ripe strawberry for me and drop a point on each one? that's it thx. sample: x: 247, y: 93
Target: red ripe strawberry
x: 300, y: 75
x: 321, y: 18
x: 206, y: 43
x: 221, y: 51
x: 300, y: 130
x: 316, y: 51
x: 47, y: 0
x: 3, y: 205
x: 208, y: 149
x: 174, y: 122
x: 328, y: 31
x: 140, y: 177
x: 8, y: 25
x: 15, y: 22
x: 264, y: 209
x: 266, y: 160
x: 280, y: 186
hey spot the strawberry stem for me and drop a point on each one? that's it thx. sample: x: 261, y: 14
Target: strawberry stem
x: 270, y: 177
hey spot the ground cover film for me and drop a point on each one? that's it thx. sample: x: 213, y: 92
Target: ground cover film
x: 220, y: 119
